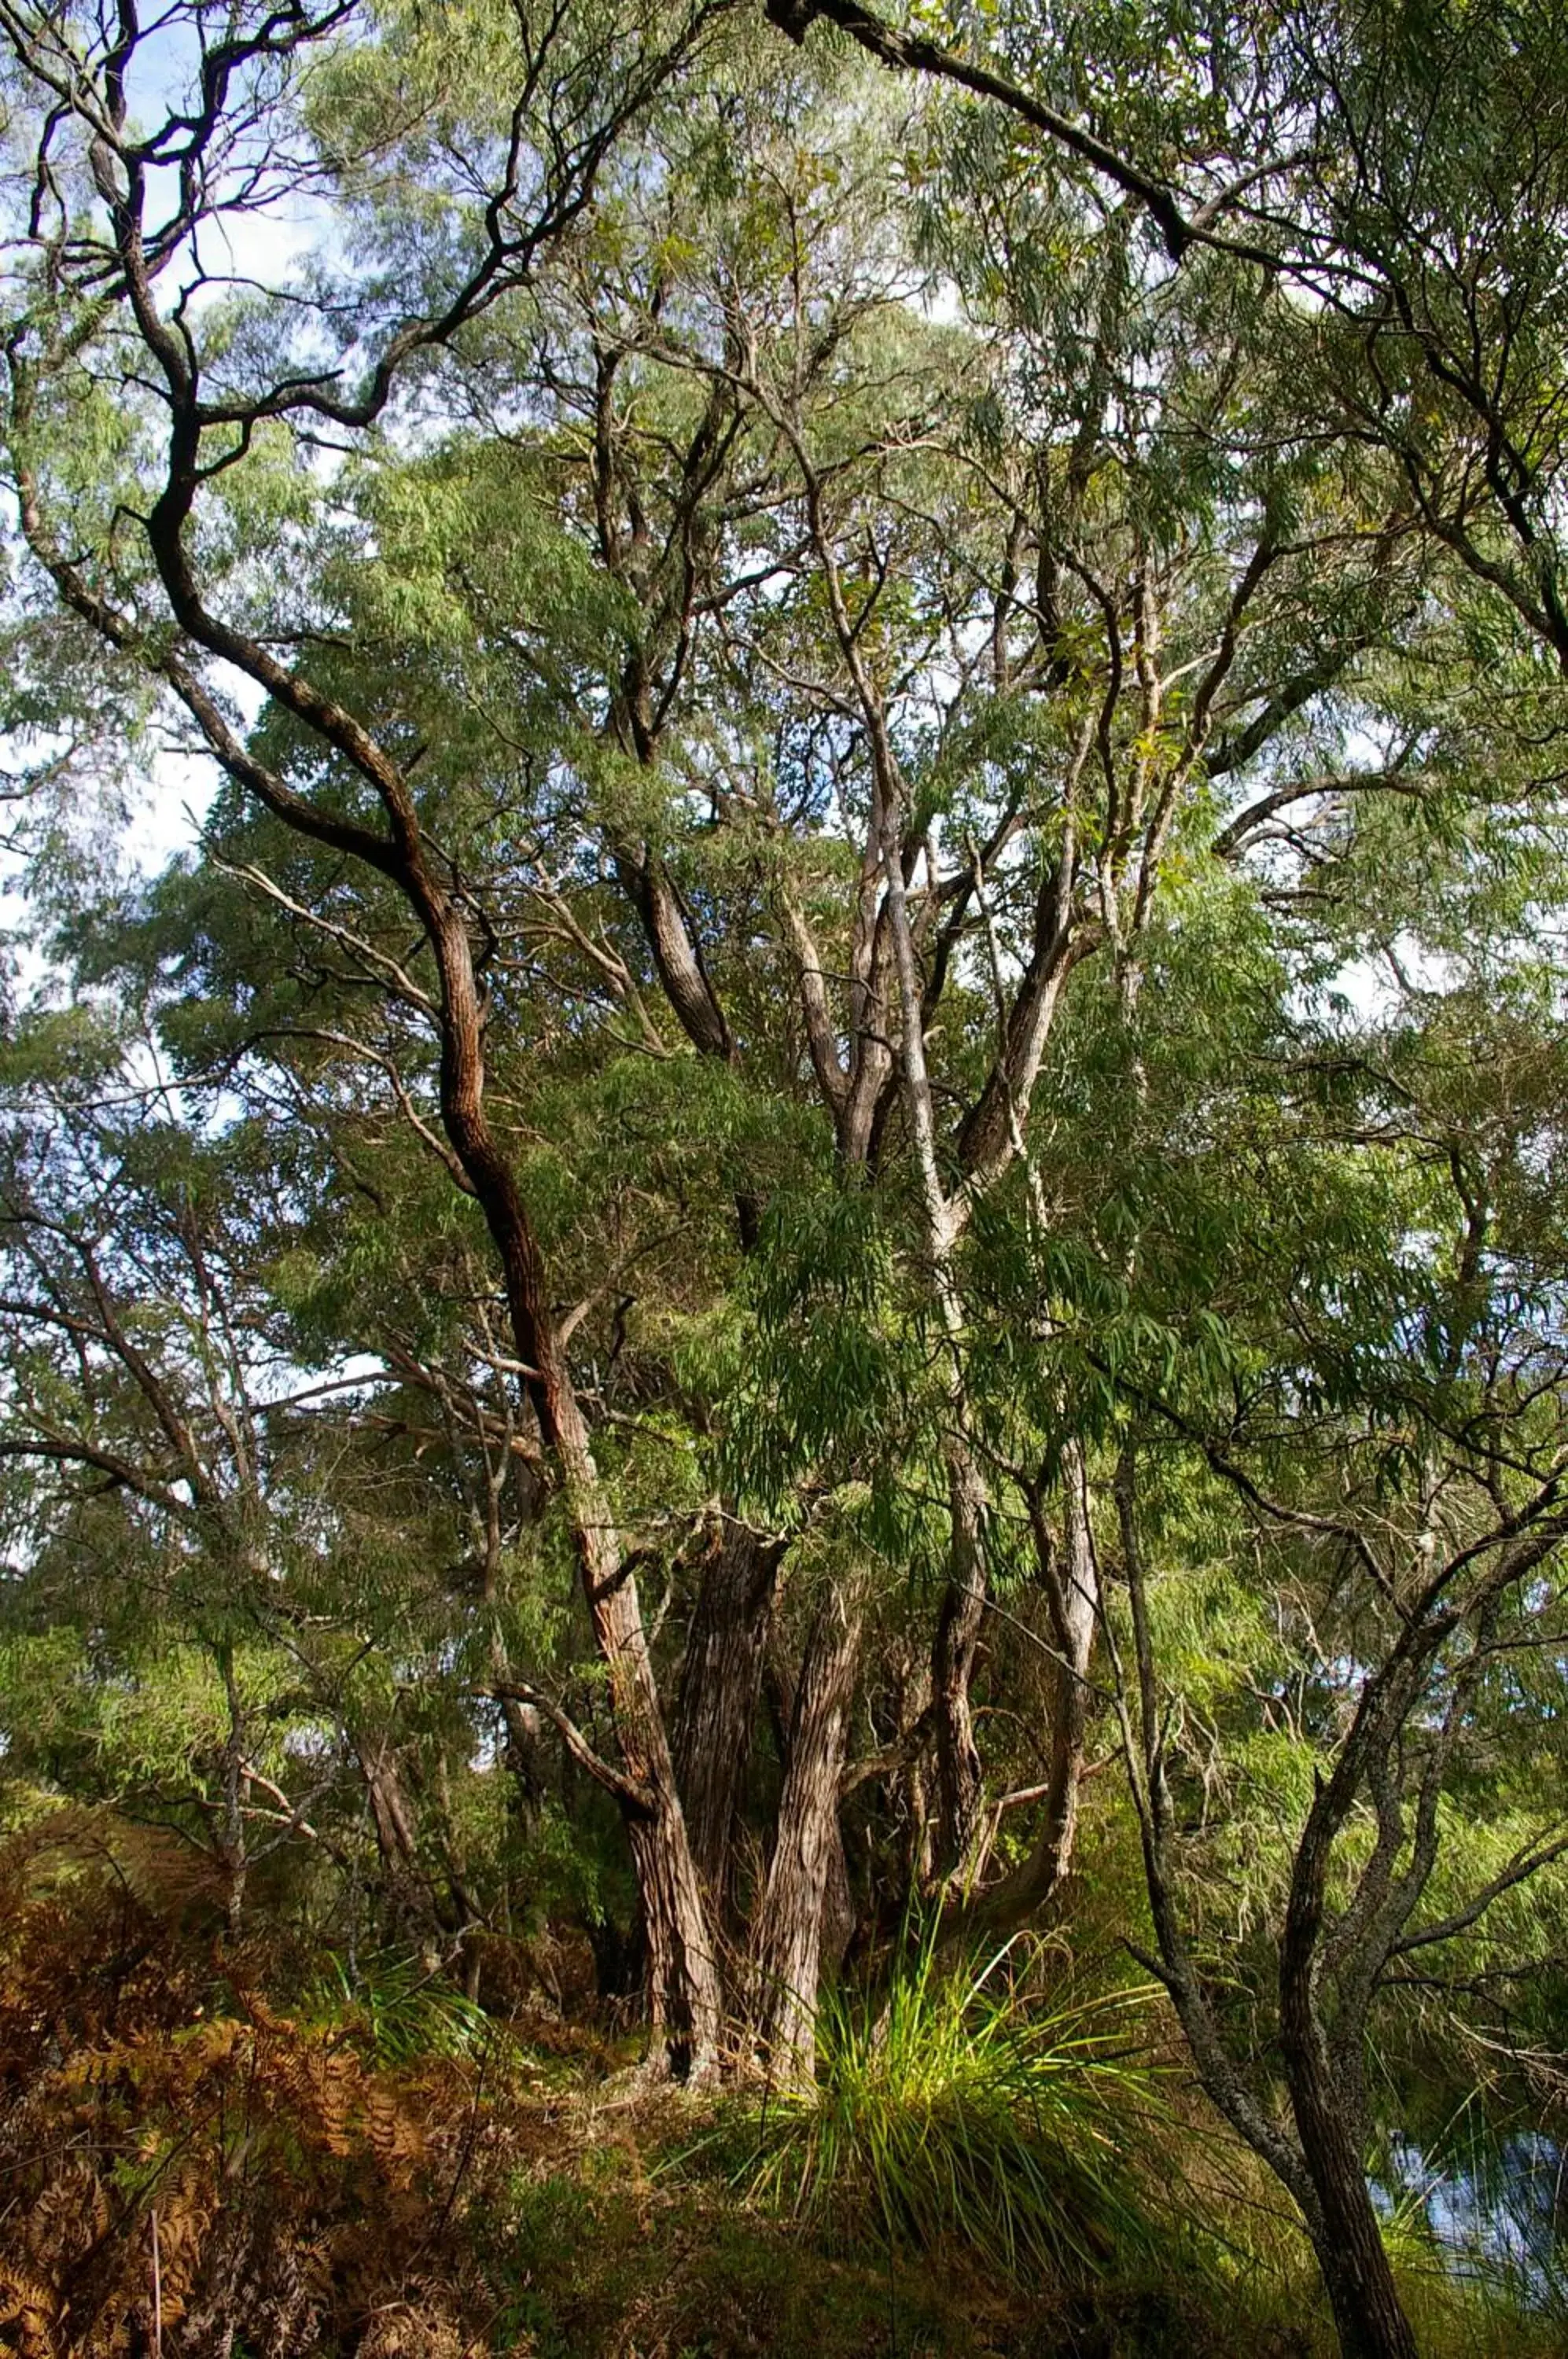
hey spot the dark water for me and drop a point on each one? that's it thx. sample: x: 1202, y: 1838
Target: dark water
x: 1496, y: 2211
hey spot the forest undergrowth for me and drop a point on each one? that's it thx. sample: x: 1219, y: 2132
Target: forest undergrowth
x: 212, y: 2147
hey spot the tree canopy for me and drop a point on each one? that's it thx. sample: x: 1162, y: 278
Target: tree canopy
x: 822, y: 1218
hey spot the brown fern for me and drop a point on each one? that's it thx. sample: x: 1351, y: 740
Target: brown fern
x: 300, y: 2193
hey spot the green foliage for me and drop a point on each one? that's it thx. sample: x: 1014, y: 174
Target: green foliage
x: 678, y: 487
x: 404, y: 2007
x: 955, y: 2106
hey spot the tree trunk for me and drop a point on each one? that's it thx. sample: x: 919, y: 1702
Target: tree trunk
x: 839, y: 1915
x: 786, y: 1935
x: 1325, y: 2078
x: 397, y: 1832
x: 1368, y: 2313
x: 716, y: 1709
x: 960, y: 1779
x: 686, y: 1999
x: 524, y: 1748
x: 653, y: 893
x: 1071, y: 1583
x: 1073, y: 1594
x: 686, y: 1993
x: 685, y: 1996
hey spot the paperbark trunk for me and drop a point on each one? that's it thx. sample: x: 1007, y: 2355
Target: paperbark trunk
x: 1069, y: 1579
x: 786, y: 1935
x: 960, y: 1776
x: 716, y: 1709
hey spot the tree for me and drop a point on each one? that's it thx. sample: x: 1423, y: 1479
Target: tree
x: 813, y: 697
x: 577, y: 89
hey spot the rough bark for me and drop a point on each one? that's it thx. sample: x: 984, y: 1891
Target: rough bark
x: 1368, y: 2313
x: 840, y: 1918
x: 959, y: 1778
x: 1071, y: 1584
x: 786, y: 1934
x: 1324, y: 2076
x: 392, y: 1816
x: 686, y: 2000
x: 677, y: 955
x: 716, y: 1709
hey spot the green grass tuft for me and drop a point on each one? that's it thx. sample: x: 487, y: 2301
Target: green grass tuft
x: 404, y: 2010
x: 952, y: 2107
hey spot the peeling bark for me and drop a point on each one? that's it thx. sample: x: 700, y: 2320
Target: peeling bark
x: 786, y: 1934
x: 960, y: 1779
x: 1071, y: 1583
x: 715, y: 1711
